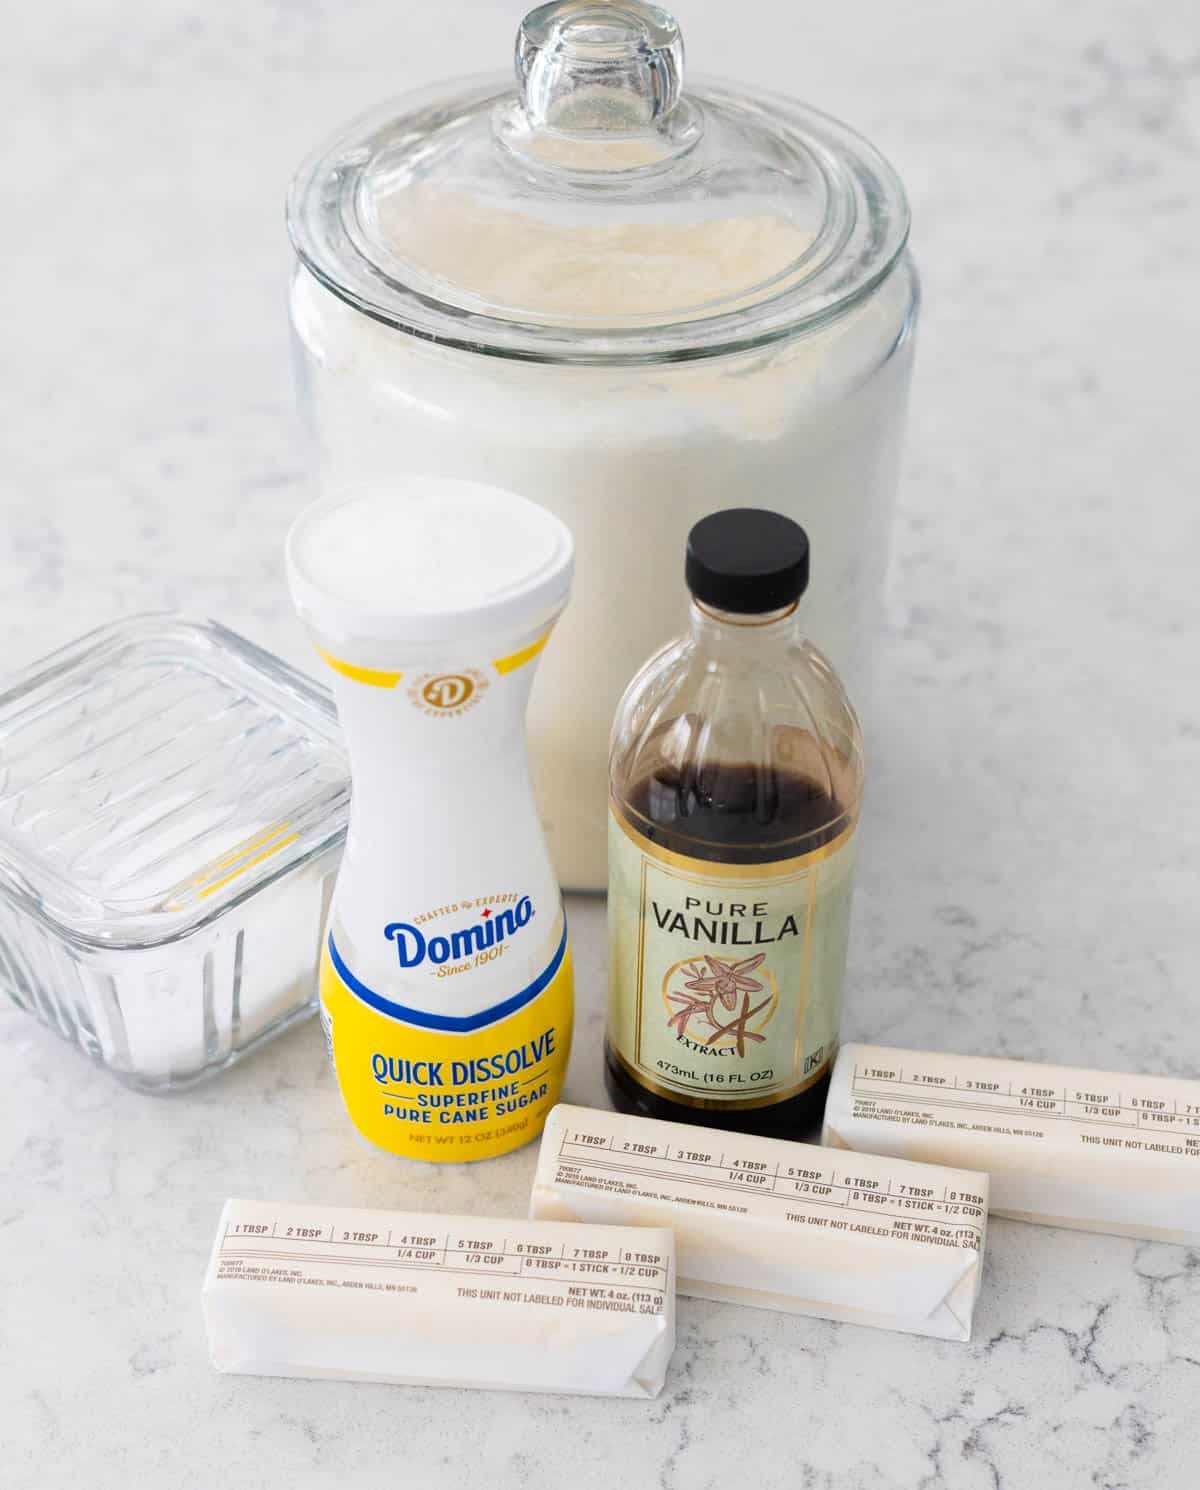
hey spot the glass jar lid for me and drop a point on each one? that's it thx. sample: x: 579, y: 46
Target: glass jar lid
x: 598, y: 212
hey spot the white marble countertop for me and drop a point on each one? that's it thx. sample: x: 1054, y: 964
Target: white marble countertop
x: 1029, y: 871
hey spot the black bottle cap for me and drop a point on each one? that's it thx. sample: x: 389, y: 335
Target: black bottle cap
x: 747, y: 560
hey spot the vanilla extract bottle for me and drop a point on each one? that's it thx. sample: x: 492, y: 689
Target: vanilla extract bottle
x: 736, y: 776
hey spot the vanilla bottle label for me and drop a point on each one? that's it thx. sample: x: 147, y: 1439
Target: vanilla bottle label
x: 725, y: 983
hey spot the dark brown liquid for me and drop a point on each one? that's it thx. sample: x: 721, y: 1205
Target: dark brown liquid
x: 734, y: 814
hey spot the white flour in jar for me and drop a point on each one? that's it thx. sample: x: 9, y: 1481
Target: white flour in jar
x: 629, y: 457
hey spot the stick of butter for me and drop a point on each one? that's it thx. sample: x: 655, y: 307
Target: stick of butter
x: 1093, y: 1150
x: 775, y: 1224
x: 426, y: 1300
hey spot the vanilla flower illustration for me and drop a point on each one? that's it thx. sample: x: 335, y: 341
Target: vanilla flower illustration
x: 725, y: 980
x: 691, y: 1007
x: 738, y: 1027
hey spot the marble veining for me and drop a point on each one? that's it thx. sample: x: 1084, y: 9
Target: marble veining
x: 1029, y: 863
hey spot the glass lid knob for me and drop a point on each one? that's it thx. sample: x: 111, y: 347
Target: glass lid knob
x: 605, y: 75
x: 616, y: 65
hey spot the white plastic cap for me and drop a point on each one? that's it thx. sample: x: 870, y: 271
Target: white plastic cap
x: 427, y: 560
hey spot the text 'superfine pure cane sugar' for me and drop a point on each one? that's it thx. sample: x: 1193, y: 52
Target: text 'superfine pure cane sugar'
x: 446, y: 983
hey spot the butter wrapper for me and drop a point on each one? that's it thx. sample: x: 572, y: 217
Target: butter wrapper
x: 1064, y: 1146
x: 428, y: 1300
x: 775, y: 1224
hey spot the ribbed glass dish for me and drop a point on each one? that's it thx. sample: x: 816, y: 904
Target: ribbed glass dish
x: 173, y: 803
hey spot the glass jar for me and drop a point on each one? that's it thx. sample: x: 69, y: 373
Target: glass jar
x: 632, y: 302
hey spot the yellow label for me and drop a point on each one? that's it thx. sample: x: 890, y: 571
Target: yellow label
x: 725, y: 981
x: 449, y: 1095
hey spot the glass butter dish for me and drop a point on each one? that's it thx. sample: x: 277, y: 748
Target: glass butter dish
x: 173, y: 804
